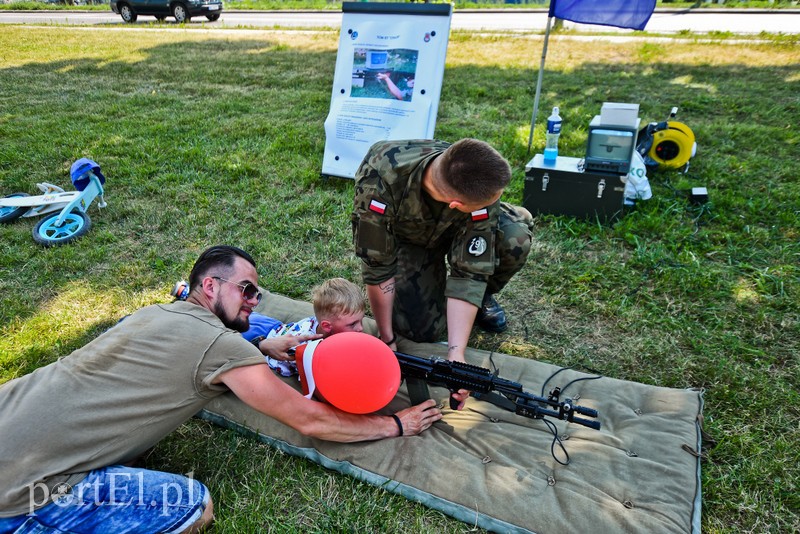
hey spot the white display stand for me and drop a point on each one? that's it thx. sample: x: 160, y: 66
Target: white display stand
x: 388, y: 79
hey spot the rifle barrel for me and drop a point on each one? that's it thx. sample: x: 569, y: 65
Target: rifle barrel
x: 458, y: 375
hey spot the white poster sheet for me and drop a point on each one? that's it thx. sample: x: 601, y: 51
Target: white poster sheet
x: 388, y: 79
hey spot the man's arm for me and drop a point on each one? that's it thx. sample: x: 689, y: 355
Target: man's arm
x: 460, y: 317
x: 257, y: 387
x: 390, y: 85
x: 373, y: 215
x: 381, y: 300
x: 279, y: 347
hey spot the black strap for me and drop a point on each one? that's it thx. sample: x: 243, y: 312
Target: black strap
x: 399, y: 424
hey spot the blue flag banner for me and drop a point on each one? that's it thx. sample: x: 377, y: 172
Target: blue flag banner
x: 632, y: 14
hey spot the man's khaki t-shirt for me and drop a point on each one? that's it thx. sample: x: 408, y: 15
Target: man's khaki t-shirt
x: 113, y: 399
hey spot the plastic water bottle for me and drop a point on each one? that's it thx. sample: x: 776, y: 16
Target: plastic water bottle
x: 553, y: 131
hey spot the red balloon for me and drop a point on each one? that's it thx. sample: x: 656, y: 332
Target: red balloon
x: 355, y: 372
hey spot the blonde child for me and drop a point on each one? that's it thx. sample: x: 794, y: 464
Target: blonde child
x: 339, y: 306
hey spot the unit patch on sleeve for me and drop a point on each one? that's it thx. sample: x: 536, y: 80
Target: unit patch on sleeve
x: 477, y: 246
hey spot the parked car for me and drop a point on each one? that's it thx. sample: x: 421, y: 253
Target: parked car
x: 182, y: 10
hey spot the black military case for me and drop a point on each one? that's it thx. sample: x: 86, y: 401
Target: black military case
x: 562, y: 189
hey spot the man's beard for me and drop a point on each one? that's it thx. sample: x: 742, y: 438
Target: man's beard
x: 237, y: 323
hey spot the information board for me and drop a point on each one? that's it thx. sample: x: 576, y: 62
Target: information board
x: 388, y: 79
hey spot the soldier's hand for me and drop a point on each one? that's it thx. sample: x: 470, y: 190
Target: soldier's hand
x: 461, y: 397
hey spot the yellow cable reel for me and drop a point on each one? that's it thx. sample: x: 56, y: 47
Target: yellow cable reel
x: 673, y: 146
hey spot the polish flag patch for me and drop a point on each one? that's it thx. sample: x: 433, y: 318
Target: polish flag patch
x: 480, y: 215
x: 377, y: 207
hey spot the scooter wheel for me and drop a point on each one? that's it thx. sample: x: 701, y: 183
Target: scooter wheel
x: 8, y: 214
x: 75, y: 224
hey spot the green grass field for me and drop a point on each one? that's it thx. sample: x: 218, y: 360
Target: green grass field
x: 216, y: 136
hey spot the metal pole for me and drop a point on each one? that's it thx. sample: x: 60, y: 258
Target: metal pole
x: 539, y: 82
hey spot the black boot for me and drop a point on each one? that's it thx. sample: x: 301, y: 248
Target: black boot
x: 491, y: 316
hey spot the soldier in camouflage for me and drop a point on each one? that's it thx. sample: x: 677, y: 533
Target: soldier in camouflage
x: 419, y: 201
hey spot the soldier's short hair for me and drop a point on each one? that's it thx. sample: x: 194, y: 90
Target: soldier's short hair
x: 337, y: 297
x: 473, y: 169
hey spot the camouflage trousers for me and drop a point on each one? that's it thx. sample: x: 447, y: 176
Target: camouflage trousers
x: 420, y: 304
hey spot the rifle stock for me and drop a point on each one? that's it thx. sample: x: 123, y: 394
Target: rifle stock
x: 485, y: 385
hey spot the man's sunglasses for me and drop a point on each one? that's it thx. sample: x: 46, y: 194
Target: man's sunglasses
x: 249, y: 290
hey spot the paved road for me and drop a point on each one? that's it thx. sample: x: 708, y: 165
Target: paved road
x: 702, y: 21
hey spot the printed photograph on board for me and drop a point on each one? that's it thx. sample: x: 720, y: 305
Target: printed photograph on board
x: 384, y: 73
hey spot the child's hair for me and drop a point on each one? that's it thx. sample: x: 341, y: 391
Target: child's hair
x: 337, y: 297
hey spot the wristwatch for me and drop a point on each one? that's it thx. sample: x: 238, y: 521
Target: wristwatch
x: 257, y: 340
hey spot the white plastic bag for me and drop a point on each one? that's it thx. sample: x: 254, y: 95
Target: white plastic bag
x: 637, y: 186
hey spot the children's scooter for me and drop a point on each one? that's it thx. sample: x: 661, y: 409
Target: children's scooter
x: 71, y: 221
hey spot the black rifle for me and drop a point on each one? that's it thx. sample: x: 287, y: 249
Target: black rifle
x: 487, y: 386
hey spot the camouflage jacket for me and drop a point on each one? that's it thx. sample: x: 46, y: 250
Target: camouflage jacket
x: 391, y: 209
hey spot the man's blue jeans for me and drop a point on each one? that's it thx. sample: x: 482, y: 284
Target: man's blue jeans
x: 117, y: 499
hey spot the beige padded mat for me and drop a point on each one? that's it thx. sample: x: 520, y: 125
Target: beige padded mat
x: 487, y: 466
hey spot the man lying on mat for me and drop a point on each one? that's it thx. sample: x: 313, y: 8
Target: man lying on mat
x: 67, y: 429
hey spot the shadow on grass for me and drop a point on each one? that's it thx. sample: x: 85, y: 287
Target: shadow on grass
x: 221, y: 140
